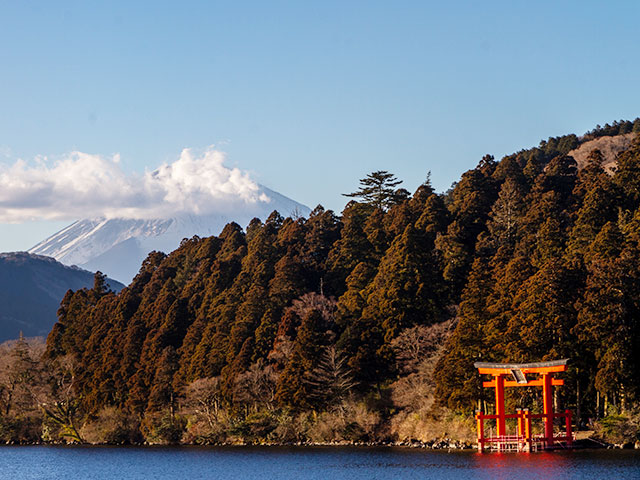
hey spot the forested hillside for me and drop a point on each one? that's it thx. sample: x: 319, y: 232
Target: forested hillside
x: 331, y: 327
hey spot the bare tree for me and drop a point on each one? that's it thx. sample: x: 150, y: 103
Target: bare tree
x: 204, y: 397
x: 332, y: 380
x: 282, y: 349
x: 505, y: 212
x: 417, y: 351
x: 416, y: 344
x: 21, y: 375
x: 326, y: 306
x: 257, y: 386
x: 63, y: 406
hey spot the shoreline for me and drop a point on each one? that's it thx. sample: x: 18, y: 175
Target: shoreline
x: 408, y: 445
x: 440, y: 446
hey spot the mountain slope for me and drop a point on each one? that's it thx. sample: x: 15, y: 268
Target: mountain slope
x: 31, y: 287
x: 530, y: 257
x: 535, y: 258
x: 117, y: 246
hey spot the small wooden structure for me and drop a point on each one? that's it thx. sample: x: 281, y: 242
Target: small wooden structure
x: 515, y: 375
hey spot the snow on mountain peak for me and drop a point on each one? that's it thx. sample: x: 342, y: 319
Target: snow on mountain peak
x: 117, y: 246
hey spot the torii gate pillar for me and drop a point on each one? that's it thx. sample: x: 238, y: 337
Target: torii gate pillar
x: 547, y: 407
x: 500, y: 411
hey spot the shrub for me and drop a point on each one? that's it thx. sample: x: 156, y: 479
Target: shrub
x: 619, y: 428
x: 163, y: 429
x: 255, y: 427
x: 429, y: 426
x: 350, y: 422
x: 201, y: 431
x: 23, y: 429
x: 112, y: 426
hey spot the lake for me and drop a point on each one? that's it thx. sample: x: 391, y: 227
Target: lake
x: 235, y: 463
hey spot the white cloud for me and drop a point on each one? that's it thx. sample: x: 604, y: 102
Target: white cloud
x: 81, y: 185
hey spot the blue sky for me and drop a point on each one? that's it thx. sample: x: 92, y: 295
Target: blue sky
x: 307, y: 97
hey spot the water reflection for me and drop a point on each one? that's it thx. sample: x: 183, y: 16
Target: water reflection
x: 528, y: 465
x: 577, y: 464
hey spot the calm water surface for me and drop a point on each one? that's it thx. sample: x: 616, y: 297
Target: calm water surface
x: 193, y: 463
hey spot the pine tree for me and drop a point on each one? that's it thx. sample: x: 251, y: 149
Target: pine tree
x: 457, y: 384
x: 471, y: 201
x: 505, y: 214
x: 544, y: 316
x: 292, y: 388
x: 378, y: 190
x: 408, y: 288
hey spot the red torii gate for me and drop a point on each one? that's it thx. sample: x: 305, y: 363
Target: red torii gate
x: 524, y: 440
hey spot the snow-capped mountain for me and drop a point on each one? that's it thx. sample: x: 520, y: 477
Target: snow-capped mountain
x: 117, y: 246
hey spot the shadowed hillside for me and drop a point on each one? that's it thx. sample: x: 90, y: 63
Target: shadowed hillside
x: 365, y: 326
x: 31, y: 288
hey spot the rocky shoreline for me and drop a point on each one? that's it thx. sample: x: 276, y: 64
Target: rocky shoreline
x: 443, y: 444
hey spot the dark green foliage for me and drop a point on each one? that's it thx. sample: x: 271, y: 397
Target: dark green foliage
x: 378, y: 190
x: 470, y: 204
x: 534, y: 259
x: 618, y: 127
x: 456, y: 384
x: 555, y: 278
x: 310, y: 341
x: 408, y: 288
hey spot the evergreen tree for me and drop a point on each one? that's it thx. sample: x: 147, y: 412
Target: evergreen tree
x: 352, y: 248
x: 505, y: 214
x: 471, y: 202
x: 457, y: 384
x: 292, y: 388
x: 407, y: 289
x: 535, y: 258
x: 544, y: 316
x: 378, y: 190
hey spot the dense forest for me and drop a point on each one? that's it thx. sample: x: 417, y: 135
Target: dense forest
x: 363, y: 326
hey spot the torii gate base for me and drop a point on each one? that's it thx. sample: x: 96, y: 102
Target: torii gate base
x: 523, y: 440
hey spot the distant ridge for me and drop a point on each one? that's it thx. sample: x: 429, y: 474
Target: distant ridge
x: 31, y: 288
